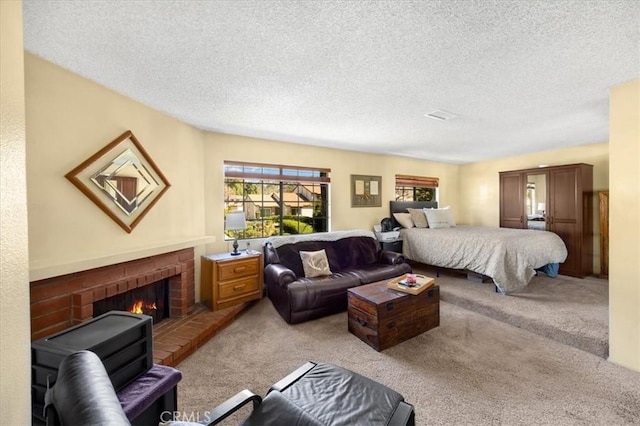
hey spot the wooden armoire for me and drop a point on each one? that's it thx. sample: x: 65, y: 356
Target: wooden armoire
x: 560, y: 198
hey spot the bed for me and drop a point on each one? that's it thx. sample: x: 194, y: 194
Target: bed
x: 536, y: 221
x: 510, y: 257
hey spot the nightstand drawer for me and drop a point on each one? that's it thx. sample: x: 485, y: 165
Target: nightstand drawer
x: 228, y: 280
x: 238, y: 287
x: 236, y: 269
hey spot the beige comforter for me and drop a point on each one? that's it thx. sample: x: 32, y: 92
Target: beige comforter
x: 508, y: 256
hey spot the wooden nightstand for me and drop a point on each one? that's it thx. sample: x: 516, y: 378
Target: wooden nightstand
x: 227, y: 280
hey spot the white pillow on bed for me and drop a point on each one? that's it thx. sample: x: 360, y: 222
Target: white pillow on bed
x: 440, y: 218
x: 452, y: 221
x: 404, y: 219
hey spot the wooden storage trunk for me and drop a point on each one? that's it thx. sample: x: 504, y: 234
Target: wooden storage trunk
x: 382, y: 317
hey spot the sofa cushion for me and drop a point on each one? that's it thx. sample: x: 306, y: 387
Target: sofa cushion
x: 147, y: 389
x: 289, y: 255
x: 315, y: 263
x: 345, y: 249
x: 276, y: 410
x: 345, y: 253
x: 312, y: 293
x: 354, y: 252
x: 372, y: 273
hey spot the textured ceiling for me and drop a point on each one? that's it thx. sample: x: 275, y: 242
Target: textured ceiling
x: 523, y: 76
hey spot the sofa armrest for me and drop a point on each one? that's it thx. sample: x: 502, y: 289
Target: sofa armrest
x: 391, y: 257
x: 291, y: 378
x: 280, y: 274
x: 403, y: 416
x: 232, y: 405
x: 270, y: 254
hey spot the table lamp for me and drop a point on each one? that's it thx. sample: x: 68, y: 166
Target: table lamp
x: 234, y: 222
x: 541, y: 207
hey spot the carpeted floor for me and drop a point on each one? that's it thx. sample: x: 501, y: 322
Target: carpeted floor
x: 569, y: 310
x: 471, y: 370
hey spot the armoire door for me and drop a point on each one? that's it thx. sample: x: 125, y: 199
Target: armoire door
x: 512, y: 194
x: 570, y: 216
x: 563, y: 215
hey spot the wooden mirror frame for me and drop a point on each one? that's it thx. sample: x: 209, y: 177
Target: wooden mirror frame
x: 82, y: 175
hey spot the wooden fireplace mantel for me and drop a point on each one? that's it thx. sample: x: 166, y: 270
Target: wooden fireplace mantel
x: 43, y: 270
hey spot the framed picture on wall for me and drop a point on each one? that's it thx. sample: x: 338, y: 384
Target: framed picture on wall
x: 365, y: 191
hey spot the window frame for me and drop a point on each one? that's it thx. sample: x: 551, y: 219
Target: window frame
x: 310, y: 184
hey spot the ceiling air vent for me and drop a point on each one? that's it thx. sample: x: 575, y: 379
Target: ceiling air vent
x: 441, y: 115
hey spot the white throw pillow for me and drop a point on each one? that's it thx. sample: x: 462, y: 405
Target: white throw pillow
x: 452, y: 221
x: 315, y: 263
x: 438, y: 218
x: 447, y: 211
x: 404, y: 219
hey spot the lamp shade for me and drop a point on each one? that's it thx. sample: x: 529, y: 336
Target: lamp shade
x: 235, y: 221
x: 541, y: 206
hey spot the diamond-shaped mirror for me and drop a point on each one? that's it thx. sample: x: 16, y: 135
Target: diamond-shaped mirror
x: 127, y: 181
x: 122, y: 180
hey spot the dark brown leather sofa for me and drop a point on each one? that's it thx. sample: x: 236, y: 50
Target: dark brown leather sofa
x: 355, y: 258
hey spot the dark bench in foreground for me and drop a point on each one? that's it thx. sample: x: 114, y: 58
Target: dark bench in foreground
x: 314, y: 394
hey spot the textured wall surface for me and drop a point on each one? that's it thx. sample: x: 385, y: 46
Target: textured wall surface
x: 71, y: 118
x: 624, y: 226
x: 15, y: 396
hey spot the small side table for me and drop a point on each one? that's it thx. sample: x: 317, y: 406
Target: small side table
x: 227, y: 280
x: 393, y: 245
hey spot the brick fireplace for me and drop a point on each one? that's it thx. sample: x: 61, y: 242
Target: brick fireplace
x: 60, y: 302
x: 64, y: 301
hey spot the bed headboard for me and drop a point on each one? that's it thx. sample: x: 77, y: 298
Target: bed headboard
x: 402, y: 206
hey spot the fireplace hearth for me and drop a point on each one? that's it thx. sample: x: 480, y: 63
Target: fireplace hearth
x: 61, y: 302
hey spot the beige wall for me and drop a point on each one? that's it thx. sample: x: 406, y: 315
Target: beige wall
x: 220, y: 147
x: 69, y: 119
x: 480, y: 184
x: 15, y: 393
x: 624, y: 235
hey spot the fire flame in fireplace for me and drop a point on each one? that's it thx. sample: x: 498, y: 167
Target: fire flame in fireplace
x: 140, y: 307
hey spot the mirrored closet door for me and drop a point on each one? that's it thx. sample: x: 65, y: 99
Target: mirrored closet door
x: 535, y: 199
